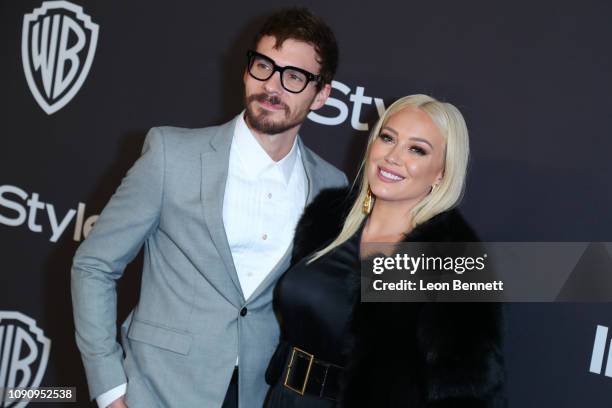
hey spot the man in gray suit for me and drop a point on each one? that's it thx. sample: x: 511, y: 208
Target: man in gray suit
x: 215, y: 209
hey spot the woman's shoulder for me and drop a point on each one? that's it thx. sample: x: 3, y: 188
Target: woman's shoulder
x: 321, y: 221
x: 447, y: 226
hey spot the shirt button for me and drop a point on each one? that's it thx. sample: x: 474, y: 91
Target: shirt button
x: 243, y: 311
x: 264, y: 236
x: 269, y: 195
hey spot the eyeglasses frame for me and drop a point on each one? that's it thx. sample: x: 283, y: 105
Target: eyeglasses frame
x: 310, y: 77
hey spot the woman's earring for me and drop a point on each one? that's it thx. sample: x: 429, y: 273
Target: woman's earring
x: 368, y: 203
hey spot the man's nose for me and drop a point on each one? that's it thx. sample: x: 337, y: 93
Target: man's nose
x: 273, y: 84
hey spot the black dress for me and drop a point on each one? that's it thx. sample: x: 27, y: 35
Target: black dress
x: 417, y: 355
x: 314, y: 303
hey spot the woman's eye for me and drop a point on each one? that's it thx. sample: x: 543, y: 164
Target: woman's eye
x: 385, y: 137
x: 418, y: 150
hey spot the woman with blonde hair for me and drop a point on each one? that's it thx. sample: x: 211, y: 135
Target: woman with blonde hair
x: 338, y: 352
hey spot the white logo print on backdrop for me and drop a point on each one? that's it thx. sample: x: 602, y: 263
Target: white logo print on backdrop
x: 357, y: 99
x: 17, y: 207
x: 58, y: 44
x: 24, y: 353
x: 599, y: 350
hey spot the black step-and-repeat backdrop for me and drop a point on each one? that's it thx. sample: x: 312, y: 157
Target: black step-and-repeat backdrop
x: 81, y: 83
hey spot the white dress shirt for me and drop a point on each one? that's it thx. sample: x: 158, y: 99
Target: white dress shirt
x: 262, y: 204
x: 106, y: 398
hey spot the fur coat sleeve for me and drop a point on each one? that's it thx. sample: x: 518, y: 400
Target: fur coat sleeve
x: 434, y: 355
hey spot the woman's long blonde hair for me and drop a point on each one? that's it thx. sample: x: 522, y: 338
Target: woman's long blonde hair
x: 449, y: 191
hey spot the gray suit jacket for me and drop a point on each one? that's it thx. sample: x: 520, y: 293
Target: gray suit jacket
x: 182, y: 339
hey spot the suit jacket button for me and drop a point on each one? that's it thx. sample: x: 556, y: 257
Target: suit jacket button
x: 243, y: 311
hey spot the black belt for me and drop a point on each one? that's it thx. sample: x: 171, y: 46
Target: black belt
x: 306, y: 374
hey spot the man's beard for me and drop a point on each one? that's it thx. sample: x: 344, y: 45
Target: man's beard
x: 261, y: 123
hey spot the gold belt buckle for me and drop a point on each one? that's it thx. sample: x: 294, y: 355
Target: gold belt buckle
x: 310, y: 360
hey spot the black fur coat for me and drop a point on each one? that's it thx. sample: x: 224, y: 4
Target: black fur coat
x: 417, y: 355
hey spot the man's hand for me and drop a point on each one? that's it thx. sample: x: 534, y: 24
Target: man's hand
x: 118, y: 403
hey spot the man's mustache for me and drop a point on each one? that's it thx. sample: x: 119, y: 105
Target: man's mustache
x: 274, y: 100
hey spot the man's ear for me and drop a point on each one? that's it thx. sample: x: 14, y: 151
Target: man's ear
x: 321, y: 97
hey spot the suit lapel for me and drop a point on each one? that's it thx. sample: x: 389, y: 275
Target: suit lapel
x: 312, y: 172
x: 215, y: 163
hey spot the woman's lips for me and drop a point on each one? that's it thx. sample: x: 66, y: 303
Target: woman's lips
x: 388, y: 176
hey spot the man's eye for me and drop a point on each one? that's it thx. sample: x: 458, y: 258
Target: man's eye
x: 263, y: 65
x: 295, y: 77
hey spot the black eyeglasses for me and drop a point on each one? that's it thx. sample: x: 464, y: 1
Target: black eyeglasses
x: 293, y: 79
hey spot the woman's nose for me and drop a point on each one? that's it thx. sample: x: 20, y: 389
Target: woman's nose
x: 392, y: 156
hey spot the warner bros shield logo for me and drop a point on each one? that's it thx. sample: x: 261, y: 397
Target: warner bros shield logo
x: 58, y: 43
x: 24, y: 352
